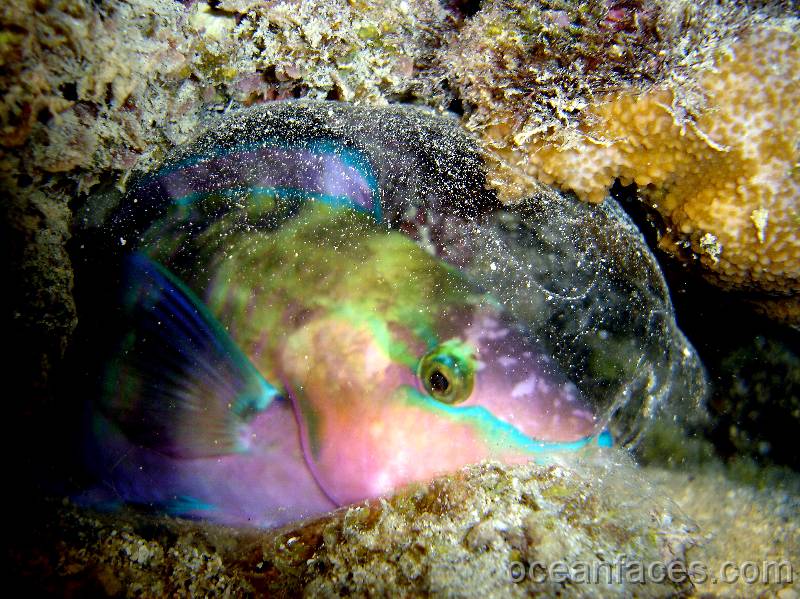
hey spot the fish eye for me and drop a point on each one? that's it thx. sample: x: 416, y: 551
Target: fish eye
x: 438, y: 382
x: 448, y: 371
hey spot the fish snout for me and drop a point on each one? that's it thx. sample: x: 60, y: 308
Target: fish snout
x: 522, y: 385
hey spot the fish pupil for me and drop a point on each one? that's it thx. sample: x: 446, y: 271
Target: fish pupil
x: 438, y: 382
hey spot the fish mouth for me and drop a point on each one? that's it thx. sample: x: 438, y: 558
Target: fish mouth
x: 500, y: 436
x: 554, y: 420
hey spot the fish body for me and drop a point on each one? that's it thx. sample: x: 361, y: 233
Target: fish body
x: 288, y: 350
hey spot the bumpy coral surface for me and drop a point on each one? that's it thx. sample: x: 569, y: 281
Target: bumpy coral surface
x: 706, y: 123
x: 726, y: 182
x: 460, y: 536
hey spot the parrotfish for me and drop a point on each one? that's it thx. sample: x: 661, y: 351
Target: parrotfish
x: 290, y: 348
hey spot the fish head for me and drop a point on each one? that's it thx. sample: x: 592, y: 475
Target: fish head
x: 380, y: 407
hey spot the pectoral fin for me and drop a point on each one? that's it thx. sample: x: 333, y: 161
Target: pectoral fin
x: 180, y: 385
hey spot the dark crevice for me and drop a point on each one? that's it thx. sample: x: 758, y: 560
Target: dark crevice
x: 463, y: 8
x: 747, y: 356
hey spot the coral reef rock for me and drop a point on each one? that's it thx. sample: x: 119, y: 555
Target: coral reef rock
x: 709, y: 138
x: 475, y: 533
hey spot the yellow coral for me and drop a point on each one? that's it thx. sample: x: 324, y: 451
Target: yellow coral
x: 727, y: 181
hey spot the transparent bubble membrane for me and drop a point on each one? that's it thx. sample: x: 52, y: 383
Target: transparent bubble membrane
x: 578, y: 276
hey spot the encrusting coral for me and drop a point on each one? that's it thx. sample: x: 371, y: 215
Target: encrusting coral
x: 726, y: 182
x: 465, y: 535
x: 711, y: 140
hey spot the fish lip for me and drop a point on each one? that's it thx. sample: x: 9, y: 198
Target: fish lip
x: 542, y: 446
x: 522, y: 442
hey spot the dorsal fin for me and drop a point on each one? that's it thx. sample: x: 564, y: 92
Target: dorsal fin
x: 179, y: 385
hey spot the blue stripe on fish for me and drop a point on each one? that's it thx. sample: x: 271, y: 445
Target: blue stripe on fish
x: 605, y: 439
x: 322, y: 170
x: 508, y: 434
x: 183, y: 504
